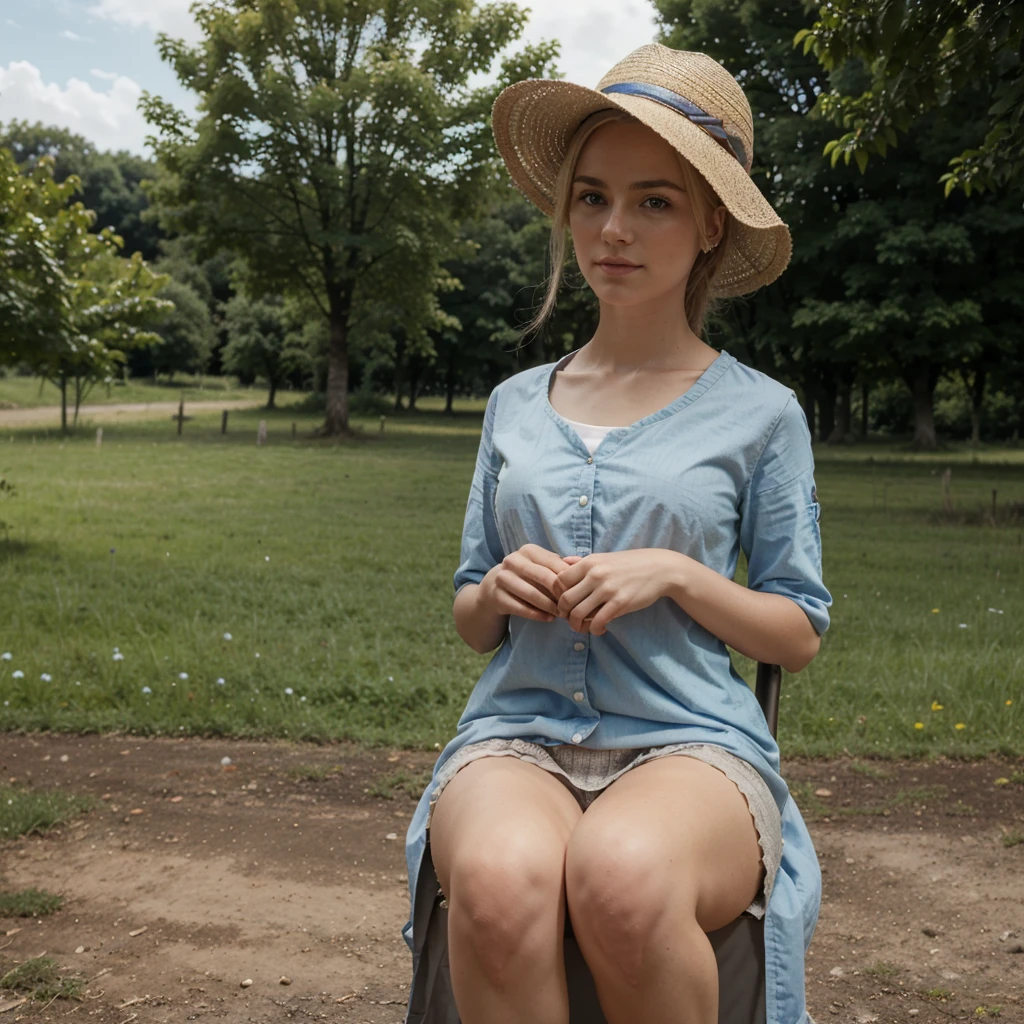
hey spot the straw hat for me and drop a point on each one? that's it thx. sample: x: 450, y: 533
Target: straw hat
x: 693, y: 103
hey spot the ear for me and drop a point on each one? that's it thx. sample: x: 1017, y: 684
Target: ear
x: 716, y: 225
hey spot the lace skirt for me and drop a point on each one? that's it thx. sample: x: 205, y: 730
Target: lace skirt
x: 586, y: 773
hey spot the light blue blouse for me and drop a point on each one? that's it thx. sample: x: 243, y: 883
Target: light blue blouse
x: 726, y: 466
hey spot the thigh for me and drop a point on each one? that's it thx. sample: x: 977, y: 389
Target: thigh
x: 504, y: 814
x: 672, y: 825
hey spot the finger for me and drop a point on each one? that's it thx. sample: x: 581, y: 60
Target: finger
x: 509, y: 604
x: 586, y: 609
x: 525, y: 591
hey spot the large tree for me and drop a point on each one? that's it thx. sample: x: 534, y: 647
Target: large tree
x: 919, y: 56
x: 339, y: 145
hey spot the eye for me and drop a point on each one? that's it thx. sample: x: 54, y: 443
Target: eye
x: 584, y: 198
x: 665, y: 204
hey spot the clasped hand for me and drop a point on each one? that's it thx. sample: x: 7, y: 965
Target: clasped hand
x: 589, y: 591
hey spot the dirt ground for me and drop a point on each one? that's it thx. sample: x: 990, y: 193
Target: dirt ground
x: 287, y: 869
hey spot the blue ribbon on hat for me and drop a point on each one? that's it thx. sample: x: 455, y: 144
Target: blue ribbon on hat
x: 711, y: 124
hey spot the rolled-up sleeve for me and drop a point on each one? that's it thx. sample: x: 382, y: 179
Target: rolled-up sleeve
x: 481, y: 546
x: 779, y: 531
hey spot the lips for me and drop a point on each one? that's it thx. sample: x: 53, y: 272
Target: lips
x: 616, y: 268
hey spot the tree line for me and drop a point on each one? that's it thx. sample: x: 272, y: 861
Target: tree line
x: 337, y: 218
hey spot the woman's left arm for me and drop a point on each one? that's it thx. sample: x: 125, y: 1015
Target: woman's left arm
x: 762, y: 626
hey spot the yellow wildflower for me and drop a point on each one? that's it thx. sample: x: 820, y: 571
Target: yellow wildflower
x: 936, y: 706
x: 919, y: 725
x: 960, y: 725
x: 935, y: 611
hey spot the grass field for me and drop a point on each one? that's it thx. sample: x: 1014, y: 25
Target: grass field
x: 203, y: 585
x: 32, y: 392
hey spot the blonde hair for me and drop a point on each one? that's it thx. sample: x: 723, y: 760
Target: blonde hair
x: 703, y: 198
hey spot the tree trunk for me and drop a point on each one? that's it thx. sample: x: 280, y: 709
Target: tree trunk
x: 977, y: 398
x: 63, y: 402
x: 827, y: 408
x: 449, y: 382
x: 922, y: 385
x: 865, y: 394
x: 336, y: 420
x: 841, y: 428
x: 273, y: 392
x: 414, y: 370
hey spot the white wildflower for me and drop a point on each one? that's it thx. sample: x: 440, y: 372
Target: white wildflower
x: 118, y: 656
x: 288, y: 690
x: 146, y: 689
x: 220, y: 681
x: 183, y: 675
x: 6, y: 656
x: 46, y: 677
x: 17, y: 674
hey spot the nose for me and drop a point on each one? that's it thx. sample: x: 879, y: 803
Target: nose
x: 616, y: 228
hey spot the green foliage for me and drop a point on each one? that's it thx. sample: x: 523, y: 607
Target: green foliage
x: 187, y: 334
x: 69, y: 305
x: 339, y: 146
x: 918, y: 56
x: 264, y: 340
x: 110, y: 183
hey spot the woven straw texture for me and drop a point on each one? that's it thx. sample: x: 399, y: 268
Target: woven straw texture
x: 535, y: 119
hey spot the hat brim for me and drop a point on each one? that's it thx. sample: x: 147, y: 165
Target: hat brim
x: 534, y: 120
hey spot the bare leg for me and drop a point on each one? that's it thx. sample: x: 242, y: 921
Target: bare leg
x: 497, y: 837
x: 666, y: 854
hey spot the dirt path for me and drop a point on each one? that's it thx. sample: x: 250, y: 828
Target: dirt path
x: 50, y: 414
x: 290, y: 864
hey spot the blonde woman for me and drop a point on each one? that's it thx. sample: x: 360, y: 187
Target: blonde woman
x: 611, y: 764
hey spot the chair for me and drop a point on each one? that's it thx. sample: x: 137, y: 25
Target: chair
x: 739, y: 946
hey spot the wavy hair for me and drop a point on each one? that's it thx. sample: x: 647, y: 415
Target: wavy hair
x: 699, y: 304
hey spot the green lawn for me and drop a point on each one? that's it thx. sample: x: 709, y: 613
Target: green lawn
x: 32, y: 392
x: 330, y: 569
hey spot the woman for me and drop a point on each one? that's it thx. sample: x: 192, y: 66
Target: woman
x: 611, y: 763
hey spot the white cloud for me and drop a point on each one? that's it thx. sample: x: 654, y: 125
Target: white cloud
x: 170, y: 16
x: 107, y: 76
x: 595, y: 34
x: 109, y: 119
x: 75, y: 37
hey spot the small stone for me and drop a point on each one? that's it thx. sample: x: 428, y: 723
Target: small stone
x: 391, y: 835
x: 285, y: 980
x: 80, y: 949
x: 837, y: 972
x: 823, y: 792
x: 913, y: 1013
x: 247, y: 983
x: 225, y: 761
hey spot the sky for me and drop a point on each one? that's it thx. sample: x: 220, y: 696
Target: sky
x: 83, y: 64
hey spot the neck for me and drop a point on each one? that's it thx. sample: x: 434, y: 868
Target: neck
x: 647, y: 336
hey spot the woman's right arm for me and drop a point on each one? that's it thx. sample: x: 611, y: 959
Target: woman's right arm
x: 476, y: 621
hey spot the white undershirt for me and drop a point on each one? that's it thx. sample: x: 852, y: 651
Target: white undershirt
x: 591, y: 433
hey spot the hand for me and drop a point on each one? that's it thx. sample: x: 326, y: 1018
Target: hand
x: 592, y: 591
x: 521, y: 583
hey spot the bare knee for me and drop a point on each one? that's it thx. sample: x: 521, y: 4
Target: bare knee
x: 618, y: 887
x: 507, y: 900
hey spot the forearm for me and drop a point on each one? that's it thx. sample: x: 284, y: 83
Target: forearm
x: 480, y: 627
x: 765, y: 627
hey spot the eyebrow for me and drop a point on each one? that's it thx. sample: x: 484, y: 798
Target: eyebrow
x: 638, y: 186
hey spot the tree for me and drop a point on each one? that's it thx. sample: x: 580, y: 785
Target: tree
x: 264, y: 340
x: 111, y: 183
x: 187, y: 334
x: 919, y: 56
x: 69, y: 304
x: 340, y: 145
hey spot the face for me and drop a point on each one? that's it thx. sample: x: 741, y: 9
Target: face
x: 633, y: 227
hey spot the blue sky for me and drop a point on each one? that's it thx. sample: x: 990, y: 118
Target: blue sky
x: 83, y: 64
